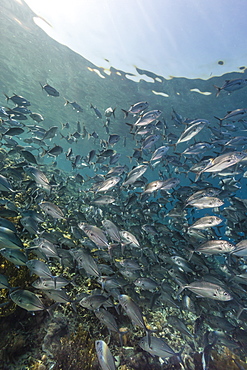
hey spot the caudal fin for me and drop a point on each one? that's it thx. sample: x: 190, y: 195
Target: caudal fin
x: 125, y: 113
x: 218, y: 90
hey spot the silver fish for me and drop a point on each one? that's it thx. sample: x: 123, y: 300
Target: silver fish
x: 205, y: 222
x: 207, y: 290
x: 112, y: 230
x: 234, y: 114
x: 194, y: 128
x: 104, y: 355
x: 134, y: 174
x: 9, y: 239
x: 93, y: 302
x: 148, y: 118
x: 157, y: 347
x: 16, y: 256
x: 104, y: 200
x: 133, y: 311
x: 38, y: 176
x: 27, y: 300
x: 159, y: 153
x: 95, y: 234
x: 52, y: 210
x: 129, y: 238
x: 107, y: 184
x: 136, y: 108
x: 232, y: 85
x: 37, y: 117
x: 206, y: 202
x: 5, y: 185
x: 39, y: 268
x: 224, y: 161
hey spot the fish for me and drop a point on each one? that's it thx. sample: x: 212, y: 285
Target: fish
x: 134, y: 174
x: 205, y: 222
x: 109, y: 112
x: 192, y: 130
x: 10, y: 239
x: 205, y: 202
x: 40, y: 268
x: 54, y: 152
x: 28, y: 156
x: 112, y: 230
x: 159, y: 153
x: 49, y: 134
x: 95, y: 234
x: 104, y: 355
x: 133, y: 312
x: 157, y: 347
x: 4, y: 284
x: 107, y: 184
x: 93, y: 302
x: 18, y: 100
x: 216, y: 247
x: 75, y: 105
x: 96, y: 111
x: 208, y: 290
x: 135, y: 109
x: 46, y: 283
x: 85, y: 260
x: 27, y: 300
x: 113, y: 139
x: 13, y: 131
x: 148, y: 118
x: 52, y: 210
x: 5, y: 185
x: 179, y: 325
x: 38, y: 176
x: 50, y: 90
x: 231, y: 85
x: 15, y: 256
x: 37, y: 117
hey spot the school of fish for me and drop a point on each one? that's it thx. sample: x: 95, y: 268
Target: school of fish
x: 161, y: 229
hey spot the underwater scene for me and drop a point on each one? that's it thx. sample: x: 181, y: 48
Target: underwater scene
x: 122, y: 212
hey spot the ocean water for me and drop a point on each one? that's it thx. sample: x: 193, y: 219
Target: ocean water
x: 28, y: 58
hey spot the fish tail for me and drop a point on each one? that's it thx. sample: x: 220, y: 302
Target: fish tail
x: 198, y: 174
x: 113, y: 112
x: 125, y: 113
x: 180, y: 357
x: 44, y: 152
x: 7, y: 97
x: 121, y: 334
x: 219, y: 119
x: 181, y: 289
x: 218, y: 90
x: 91, y: 106
x: 190, y: 254
x: 41, y: 85
x: 66, y: 102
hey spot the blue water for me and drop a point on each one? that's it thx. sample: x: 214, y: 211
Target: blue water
x: 29, y: 57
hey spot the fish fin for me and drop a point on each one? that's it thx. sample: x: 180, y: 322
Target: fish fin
x: 219, y: 119
x: 113, y: 112
x: 125, y: 113
x: 181, y: 289
x: 218, y: 90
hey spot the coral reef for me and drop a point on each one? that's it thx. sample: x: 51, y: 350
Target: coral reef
x: 76, y: 352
